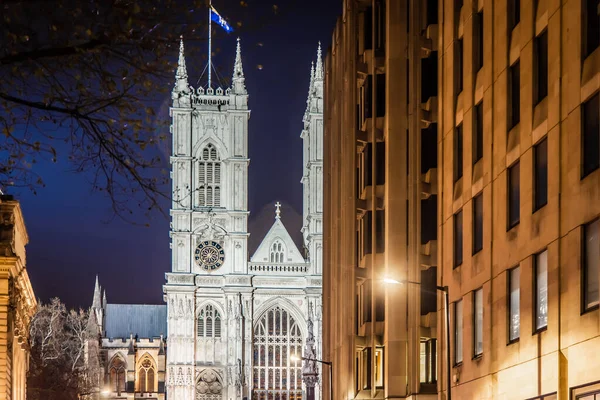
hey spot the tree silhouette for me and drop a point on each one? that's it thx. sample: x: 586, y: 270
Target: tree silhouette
x: 81, y: 81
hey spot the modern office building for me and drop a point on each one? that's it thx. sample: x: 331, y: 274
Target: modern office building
x: 380, y: 185
x: 519, y: 196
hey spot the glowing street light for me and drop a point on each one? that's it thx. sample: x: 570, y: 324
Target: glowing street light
x: 443, y: 289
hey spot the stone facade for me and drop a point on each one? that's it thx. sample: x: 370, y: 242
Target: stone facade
x: 225, y: 313
x: 527, y: 83
x: 130, y: 355
x: 17, y: 301
x: 380, y: 178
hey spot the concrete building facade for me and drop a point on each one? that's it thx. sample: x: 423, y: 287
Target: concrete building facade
x: 380, y: 179
x: 17, y: 301
x: 519, y: 191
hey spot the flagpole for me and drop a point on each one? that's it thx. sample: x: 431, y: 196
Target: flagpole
x: 209, y: 42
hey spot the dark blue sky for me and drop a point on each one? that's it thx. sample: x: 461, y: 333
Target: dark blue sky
x: 72, y: 235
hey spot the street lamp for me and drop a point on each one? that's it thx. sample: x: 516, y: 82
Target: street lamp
x: 443, y: 289
x: 294, y: 357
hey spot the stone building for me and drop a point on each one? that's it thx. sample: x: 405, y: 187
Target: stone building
x: 380, y: 179
x: 17, y: 301
x: 234, y: 323
x: 131, y: 352
x: 519, y: 190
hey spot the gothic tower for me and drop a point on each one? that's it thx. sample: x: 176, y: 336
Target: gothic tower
x: 312, y: 177
x: 312, y: 227
x: 208, y: 291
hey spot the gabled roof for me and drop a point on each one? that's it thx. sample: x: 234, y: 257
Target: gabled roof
x: 144, y: 320
x: 277, y: 232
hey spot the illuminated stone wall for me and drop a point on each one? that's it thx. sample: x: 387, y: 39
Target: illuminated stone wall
x: 17, y: 301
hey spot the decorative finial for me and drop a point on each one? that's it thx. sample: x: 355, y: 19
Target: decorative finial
x: 319, y: 68
x: 104, y: 298
x: 238, y: 84
x: 181, y: 76
x: 277, y: 210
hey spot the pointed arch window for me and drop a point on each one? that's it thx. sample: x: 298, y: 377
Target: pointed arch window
x: 209, y: 177
x: 117, y: 372
x: 277, y: 252
x: 277, y: 337
x: 146, y: 375
x: 209, y: 322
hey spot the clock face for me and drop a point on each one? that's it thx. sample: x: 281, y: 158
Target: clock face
x: 209, y: 255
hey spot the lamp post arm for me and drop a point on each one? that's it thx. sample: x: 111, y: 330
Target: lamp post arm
x: 330, y: 364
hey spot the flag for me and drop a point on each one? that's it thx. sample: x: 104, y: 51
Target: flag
x: 214, y: 16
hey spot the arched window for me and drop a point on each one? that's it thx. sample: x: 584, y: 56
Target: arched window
x: 277, y: 252
x: 117, y: 372
x: 209, y: 322
x: 277, y: 336
x: 146, y: 375
x: 209, y: 178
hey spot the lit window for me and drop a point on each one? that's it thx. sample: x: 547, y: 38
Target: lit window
x: 117, y: 375
x: 428, y: 359
x: 541, y: 290
x: 277, y: 337
x: 379, y: 367
x: 478, y: 322
x: 146, y: 375
x: 209, y: 178
x: 458, y: 332
x: 591, y: 261
x: 514, y: 305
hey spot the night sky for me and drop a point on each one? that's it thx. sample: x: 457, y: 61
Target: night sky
x: 72, y: 233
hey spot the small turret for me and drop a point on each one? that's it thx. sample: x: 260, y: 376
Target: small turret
x: 238, y: 85
x: 181, y: 90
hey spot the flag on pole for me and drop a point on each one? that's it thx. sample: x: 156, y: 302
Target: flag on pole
x: 215, y: 17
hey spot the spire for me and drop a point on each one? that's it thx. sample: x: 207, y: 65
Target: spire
x: 237, y: 82
x: 310, y: 89
x: 96, y: 302
x: 181, y: 77
x: 104, y: 298
x: 319, y: 68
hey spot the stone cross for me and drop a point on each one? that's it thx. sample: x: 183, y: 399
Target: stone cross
x: 278, y: 210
